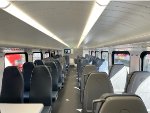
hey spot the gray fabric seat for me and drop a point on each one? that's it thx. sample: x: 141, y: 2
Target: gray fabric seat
x: 120, y: 103
x: 82, y: 63
x: 97, y: 84
x: 12, y: 86
x: 53, y: 70
x: 60, y: 79
x: 118, y: 76
x: 138, y: 84
x: 41, y: 86
x: 27, y: 71
x: 86, y: 70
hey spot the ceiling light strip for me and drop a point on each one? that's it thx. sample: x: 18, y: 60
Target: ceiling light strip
x: 18, y: 13
x: 96, y: 12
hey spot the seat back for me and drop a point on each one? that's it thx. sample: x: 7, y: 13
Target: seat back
x: 138, y: 84
x: 41, y: 86
x: 97, y: 84
x: 59, y: 70
x: 38, y: 62
x: 12, y: 85
x: 118, y: 76
x: 86, y: 71
x: 54, y: 73
x: 119, y: 103
x: 27, y: 71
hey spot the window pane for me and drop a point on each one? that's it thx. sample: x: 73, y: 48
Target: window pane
x: 46, y: 55
x: 37, y: 56
x: 104, y: 66
x: 146, y: 63
x: 122, y: 59
x: 15, y: 60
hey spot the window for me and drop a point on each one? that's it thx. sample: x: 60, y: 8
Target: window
x: 37, y: 56
x: 97, y: 53
x: 16, y: 59
x: 105, y: 64
x: 52, y: 53
x: 92, y: 53
x: 121, y: 57
x: 47, y: 54
x: 145, y: 61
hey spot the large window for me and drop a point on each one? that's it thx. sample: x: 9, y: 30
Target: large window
x: 37, y: 56
x: 145, y: 61
x: 121, y: 57
x: 16, y: 59
x: 105, y: 63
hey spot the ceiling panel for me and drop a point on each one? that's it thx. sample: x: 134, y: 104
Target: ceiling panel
x: 66, y: 19
x: 14, y: 32
x: 120, y: 23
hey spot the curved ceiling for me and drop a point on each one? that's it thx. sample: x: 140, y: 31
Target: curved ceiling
x: 122, y: 22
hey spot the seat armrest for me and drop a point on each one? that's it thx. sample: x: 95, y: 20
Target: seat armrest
x: 95, y: 102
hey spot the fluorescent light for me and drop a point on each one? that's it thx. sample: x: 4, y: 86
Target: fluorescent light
x: 4, y: 4
x: 18, y: 13
x: 103, y: 2
x: 95, y: 14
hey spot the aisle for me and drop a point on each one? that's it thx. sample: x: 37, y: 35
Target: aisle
x: 68, y: 100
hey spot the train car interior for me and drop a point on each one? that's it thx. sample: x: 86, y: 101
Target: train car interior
x: 79, y: 56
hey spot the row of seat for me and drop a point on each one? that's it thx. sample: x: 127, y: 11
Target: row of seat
x: 39, y: 83
x: 118, y: 81
x: 99, y: 83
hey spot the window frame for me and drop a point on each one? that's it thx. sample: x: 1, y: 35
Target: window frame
x: 104, y: 52
x: 25, y: 53
x: 120, y: 52
x: 92, y: 53
x: 47, y: 52
x: 142, y: 55
x: 37, y: 52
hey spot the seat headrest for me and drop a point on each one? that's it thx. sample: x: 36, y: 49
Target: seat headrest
x: 28, y: 65
x: 38, y: 62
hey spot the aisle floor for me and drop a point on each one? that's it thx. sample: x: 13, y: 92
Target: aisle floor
x: 69, y: 98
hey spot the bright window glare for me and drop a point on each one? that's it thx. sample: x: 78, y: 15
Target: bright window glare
x: 18, y: 13
x: 95, y: 14
x: 4, y: 4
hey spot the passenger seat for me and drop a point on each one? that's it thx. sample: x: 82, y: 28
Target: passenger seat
x: 27, y: 71
x: 97, y: 84
x: 119, y: 103
x: 41, y: 87
x: 88, y: 69
x: 118, y: 76
x: 138, y: 84
x: 53, y: 70
x: 12, y: 85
